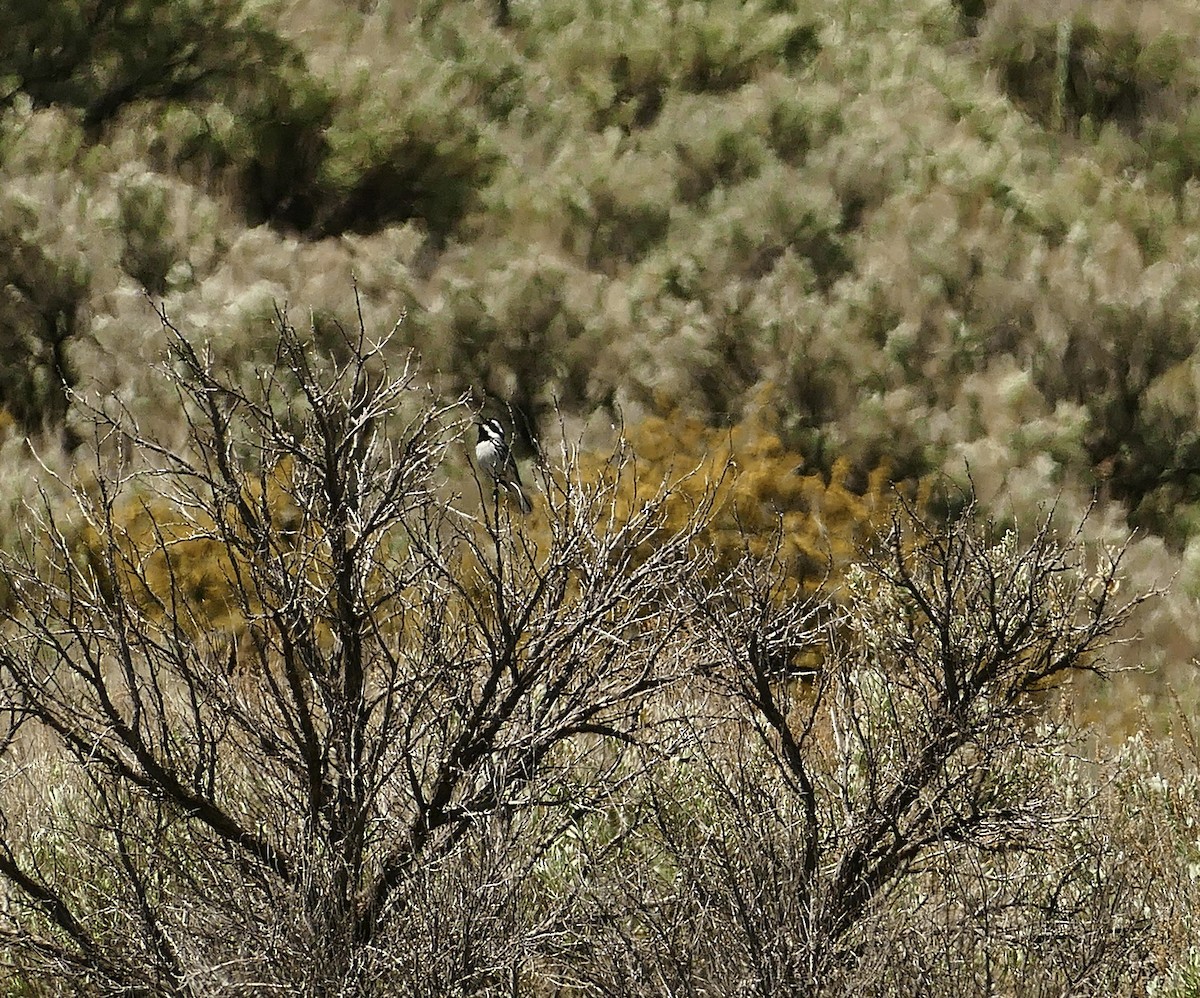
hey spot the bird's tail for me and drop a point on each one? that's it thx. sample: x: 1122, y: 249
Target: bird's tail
x: 522, y: 497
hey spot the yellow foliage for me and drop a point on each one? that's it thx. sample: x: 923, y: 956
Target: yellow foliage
x: 750, y: 492
x: 763, y: 501
x: 176, y: 560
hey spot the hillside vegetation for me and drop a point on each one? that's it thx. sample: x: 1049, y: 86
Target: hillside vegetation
x: 927, y: 239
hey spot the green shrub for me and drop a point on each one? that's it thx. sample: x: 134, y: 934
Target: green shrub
x: 618, y: 219
x: 625, y: 59
x: 1081, y: 70
x: 101, y: 55
x: 42, y: 315
x: 310, y: 158
x: 527, y: 328
x: 1172, y: 149
x: 408, y: 151
x: 1121, y: 77
x: 242, y: 103
x: 1160, y: 477
x: 501, y: 82
x: 277, y: 145
x: 151, y: 248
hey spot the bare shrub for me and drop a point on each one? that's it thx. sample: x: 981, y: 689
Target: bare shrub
x: 101, y: 57
x: 293, y: 705
x: 904, y: 818
x: 310, y: 789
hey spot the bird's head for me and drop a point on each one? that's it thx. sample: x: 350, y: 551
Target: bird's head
x: 490, y: 429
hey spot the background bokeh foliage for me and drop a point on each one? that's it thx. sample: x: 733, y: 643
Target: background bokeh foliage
x: 881, y: 240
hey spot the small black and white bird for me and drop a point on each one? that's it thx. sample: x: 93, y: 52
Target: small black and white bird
x: 495, y: 457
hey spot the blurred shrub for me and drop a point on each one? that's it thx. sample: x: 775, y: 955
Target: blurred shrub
x: 277, y: 145
x: 1128, y: 334
x: 970, y: 13
x: 721, y: 46
x: 525, y: 326
x: 722, y: 142
x: 1068, y: 67
x: 264, y: 140
x: 151, y: 248
x: 764, y: 502
x: 240, y: 102
x: 623, y: 62
x: 234, y: 93
x: 617, y: 200
x: 409, y: 150
x: 42, y: 313
x: 308, y: 157
x: 170, y: 234
x: 1172, y: 148
x: 101, y: 55
x: 1083, y: 68
x: 1161, y: 475
x: 614, y: 202
x: 501, y: 81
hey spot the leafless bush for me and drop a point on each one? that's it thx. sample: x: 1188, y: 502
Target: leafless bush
x: 906, y: 817
x: 279, y: 701
x: 296, y: 706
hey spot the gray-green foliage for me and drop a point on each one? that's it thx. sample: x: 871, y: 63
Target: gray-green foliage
x: 101, y: 55
x: 151, y: 249
x: 875, y: 218
x: 243, y: 104
x: 42, y: 299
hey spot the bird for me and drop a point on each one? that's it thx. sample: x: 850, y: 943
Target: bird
x: 496, y: 458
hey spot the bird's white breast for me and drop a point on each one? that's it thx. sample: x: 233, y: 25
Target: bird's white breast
x: 488, y: 456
